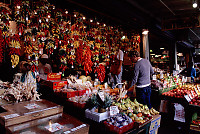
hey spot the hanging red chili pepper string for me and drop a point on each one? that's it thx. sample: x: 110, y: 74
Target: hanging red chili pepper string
x: 87, y: 62
x: 101, y: 71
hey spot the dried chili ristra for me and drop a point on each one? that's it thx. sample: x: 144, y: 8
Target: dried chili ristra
x: 79, y: 55
x: 101, y: 71
x: 87, y: 62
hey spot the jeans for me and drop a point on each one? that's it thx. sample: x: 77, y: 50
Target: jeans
x: 143, y: 96
x: 117, y: 79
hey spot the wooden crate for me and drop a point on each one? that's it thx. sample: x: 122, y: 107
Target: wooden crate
x: 27, y: 111
x: 69, y: 125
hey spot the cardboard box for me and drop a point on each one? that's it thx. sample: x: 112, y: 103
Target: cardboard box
x: 58, y: 84
x: 155, y: 124
x: 91, y: 114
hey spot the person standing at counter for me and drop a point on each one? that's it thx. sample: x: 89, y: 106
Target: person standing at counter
x: 189, y: 71
x: 43, y: 67
x: 141, y: 77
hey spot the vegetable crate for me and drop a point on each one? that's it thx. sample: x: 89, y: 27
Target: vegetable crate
x: 119, y: 130
x: 155, y: 124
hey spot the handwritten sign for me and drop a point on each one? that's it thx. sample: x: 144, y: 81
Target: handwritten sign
x: 154, y: 77
x: 114, y: 110
x: 187, y: 98
x: 101, y: 95
x: 54, y: 127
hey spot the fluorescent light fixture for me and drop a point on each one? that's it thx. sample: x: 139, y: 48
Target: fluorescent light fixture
x: 162, y: 48
x: 195, y: 4
x: 151, y: 51
x: 145, y: 31
x: 152, y: 54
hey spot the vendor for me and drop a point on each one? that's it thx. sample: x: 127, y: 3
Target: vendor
x: 43, y: 67
x: 28, y: 77
x: 116, y: 68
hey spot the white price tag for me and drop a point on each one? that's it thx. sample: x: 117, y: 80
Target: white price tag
x: 161, y: 75
x: 154, y: 77
x: 54, y: 127
x: 114, y: 110
x: 10, y: 116
x: 101, y: 95
x: 32, y: 106
x: 187, y: 98
x: 195, y: 89
x: 198, y: 88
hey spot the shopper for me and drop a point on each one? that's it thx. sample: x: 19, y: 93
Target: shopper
x: 116, y: 68
x: 43, y: 67
x: 141, y: 77
x: 189, y: 71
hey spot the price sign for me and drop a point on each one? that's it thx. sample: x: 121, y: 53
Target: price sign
x: 195, y: 89
x: 198, y: 88
x: 54, y: 127
x: 187, y: 98
x: 114, y: 110
x: 154, y: 77
x: 101, y: 95
x: 32, y: 106
x: 161, y: 75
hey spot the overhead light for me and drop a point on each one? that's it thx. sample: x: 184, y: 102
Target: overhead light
x: 97, y: 23
x: 162, y: 48
x: 18, y: 7
x: 145, y: 31
x: 104, y: 25
x: 84, y: 18
x: 123, y: 37
x: 152, y: 54
x: 91, y: 20
x: 195, y: 4
x: 151, y: 51
x: 66, y: 12
x: 74, y: 15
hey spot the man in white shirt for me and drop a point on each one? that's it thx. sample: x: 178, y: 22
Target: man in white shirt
x: 117, y: 72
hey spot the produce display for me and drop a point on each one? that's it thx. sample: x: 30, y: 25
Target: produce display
x: 119, y: 123
x: 181, y: 91
x: 80, y: 99
x: 18, y: 92
x: 195, y: 121
x: 195, y: 101
x: 136, y: 111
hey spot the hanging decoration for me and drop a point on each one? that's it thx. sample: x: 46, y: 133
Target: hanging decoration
x: 87, y: 62
x: 101, y: 71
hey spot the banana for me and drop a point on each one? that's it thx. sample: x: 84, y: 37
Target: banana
x: 151, y: 111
